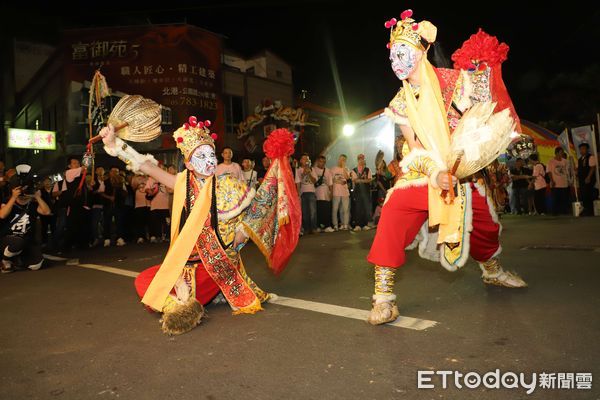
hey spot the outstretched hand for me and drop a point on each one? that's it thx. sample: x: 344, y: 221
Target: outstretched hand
x: 108, y: 136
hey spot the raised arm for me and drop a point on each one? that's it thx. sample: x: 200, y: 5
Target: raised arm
x: 135, y: 161
x: 42, y: 208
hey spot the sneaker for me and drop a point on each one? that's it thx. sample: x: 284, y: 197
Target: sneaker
x: 120, y: 242
x: 328, y: 229
x: 366, y: 228
x: 140, y: 241
x: 357, y: 228
x: 318, y: 230
x: 345, y: 228
x: 106, y: 242
x: 153, y: 239
x: 35, y: 267
x: 95, y: 243
x: 7, y: 267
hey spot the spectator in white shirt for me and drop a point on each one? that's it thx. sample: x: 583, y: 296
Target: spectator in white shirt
x: 250, y: 175
x: 228, y: 166
x: 305, y: 180
x: 341, y: 194
x: 323, y: 188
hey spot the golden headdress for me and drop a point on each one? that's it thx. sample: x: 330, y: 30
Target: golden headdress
x: 193, y: 134
x: 419, y: 35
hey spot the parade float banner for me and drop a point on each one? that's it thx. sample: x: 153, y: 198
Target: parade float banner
x: 582, y: 134
x: 178, y: 66
x: 268, y: 116
x: 563, y: 139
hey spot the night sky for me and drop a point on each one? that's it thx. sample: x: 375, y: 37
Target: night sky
x: 552, y: 71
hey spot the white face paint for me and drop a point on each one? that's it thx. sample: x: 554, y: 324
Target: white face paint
x: 403, y: 58
x: 204, y: 160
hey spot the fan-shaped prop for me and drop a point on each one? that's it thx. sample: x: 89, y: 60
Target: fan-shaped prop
x: 480, y: 137
x: 136, y: 119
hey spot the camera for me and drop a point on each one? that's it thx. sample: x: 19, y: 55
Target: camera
x: 26, y: 179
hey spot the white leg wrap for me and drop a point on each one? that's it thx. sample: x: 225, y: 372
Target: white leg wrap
x: 8, y: 253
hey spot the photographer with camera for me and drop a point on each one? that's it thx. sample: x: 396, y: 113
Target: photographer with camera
x: 323, y: 190
x: 18, y: 216
x: 305, y: 181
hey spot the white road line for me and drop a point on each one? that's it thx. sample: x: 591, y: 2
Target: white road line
x: 111, y: 270
x: 54, y: 258
x: 401, y: 322
x: 331, y: 309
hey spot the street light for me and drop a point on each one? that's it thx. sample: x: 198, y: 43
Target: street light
x: 348, y: 130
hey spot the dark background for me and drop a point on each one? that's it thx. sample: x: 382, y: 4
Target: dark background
x: 552, y: 71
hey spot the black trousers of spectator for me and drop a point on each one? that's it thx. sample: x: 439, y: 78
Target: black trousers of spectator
x: 520, y: 200
x: 48, y: 221
x: 118, y: 213
x: 25, y: 250
x: 323, y: 214
x: 539, y: 198
x: 560, y: 197
x: 158, y: 220
x: 129, y: 228
x: 78, y: 229
x: 142, y: 218
x: 361, y: 211
x: 587, y: 197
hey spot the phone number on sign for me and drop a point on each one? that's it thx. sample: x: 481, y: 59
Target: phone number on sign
x: 190, y: 101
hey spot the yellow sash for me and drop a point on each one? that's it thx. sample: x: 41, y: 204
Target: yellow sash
x: 182, y: 242
x: 428, y: 119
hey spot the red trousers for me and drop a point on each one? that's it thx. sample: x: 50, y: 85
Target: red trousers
x: 404, y: 214
x: 206, y: 287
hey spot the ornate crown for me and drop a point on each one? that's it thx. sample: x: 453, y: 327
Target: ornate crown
x: 193, y: 134
x: 408, y: 31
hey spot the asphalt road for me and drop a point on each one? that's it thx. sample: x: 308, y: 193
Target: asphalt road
x: 68, y: 332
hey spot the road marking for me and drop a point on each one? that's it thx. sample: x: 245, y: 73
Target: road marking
x: 324, y: 308
x: 54, y: 258
x: 110, y: 270
x: 354, y: 313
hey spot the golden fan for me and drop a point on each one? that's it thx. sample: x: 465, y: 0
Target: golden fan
x: 135, y: 119
x: 480, y: 137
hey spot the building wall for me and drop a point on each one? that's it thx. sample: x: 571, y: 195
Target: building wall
x: 260, y: 89
x: 233, y: 83
x: 278, y: 70
x: 28, y: 58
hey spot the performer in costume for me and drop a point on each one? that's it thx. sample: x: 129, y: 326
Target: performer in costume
x: 429, y: 107
x: 212, y: 218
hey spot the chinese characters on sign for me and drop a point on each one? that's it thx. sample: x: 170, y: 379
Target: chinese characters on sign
x: 176, y: 80
x: 178, y: 66
x: 104, y: 49
x: 31, y: 139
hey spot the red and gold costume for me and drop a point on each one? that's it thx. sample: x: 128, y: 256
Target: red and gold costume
x: 416, y: 213
x: 207, y: 214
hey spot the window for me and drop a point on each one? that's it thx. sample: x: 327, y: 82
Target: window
x: 166, y: 116
x: 234, y: 112
x: 279, y: 74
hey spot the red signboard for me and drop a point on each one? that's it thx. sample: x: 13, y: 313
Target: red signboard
x: 178, y: 66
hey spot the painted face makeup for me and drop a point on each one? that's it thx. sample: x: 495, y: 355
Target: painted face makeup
x: 403, y: 59
x: 204, y: 160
